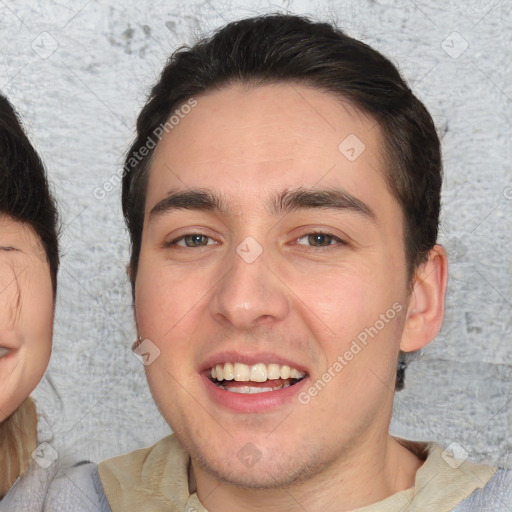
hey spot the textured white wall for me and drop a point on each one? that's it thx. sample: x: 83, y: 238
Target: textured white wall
x: 80, y: 70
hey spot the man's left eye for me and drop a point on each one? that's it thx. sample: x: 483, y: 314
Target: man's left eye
x: 320, y: 239
x: 193, y: 240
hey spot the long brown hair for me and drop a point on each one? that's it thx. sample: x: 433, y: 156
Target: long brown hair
x: 18, y: 439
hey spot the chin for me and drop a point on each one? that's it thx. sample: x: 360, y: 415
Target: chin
x: 240, y: 463
x: 262, y: 475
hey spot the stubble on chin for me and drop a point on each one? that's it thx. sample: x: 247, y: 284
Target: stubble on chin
x: 282, y: 471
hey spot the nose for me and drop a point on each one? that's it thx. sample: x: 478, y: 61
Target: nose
x: 250, y: 293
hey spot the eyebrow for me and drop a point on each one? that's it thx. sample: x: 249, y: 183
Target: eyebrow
x: 287, y: 201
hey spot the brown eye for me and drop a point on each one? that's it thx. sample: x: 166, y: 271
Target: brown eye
x: 195, y: 240
x: 320, y: 239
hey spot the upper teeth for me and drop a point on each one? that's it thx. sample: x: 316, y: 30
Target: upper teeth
x: 3, y: 351
x: 257, y: 372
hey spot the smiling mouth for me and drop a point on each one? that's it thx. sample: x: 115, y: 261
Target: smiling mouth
x: 257, y: 378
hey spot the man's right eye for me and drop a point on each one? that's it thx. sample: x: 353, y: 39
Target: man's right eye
x: 191, y: 240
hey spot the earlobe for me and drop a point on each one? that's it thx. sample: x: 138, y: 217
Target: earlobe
x: 425, y: 312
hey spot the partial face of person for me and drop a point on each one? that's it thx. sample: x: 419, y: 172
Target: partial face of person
x: 26, y: 313
x: 272, y: 283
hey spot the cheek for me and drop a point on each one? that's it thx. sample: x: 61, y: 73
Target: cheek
x: 343, y: 310
x: 36, y: 327
x: 154, y: 303
x: 164, y: 313
x: 38, y: 308
x: 22, y: 373
x: 337, y: 302
x: 166, y: 298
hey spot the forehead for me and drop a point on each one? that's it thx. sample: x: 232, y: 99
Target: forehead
x: 248, y: 141
x: 15, y: 232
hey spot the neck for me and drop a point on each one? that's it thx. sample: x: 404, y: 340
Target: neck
x: 376, y: 470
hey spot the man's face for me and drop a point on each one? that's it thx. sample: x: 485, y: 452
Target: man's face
x: 272, y: 278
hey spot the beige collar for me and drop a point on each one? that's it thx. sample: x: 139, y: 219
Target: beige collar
x: 155, y: 479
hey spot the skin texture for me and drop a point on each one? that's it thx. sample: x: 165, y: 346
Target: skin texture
x: 26, y: 313
x: 299, y: 300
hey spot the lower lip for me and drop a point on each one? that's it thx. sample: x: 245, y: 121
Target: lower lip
x: 255, y: 402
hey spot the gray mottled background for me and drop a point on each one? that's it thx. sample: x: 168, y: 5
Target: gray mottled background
x: 79, y: 71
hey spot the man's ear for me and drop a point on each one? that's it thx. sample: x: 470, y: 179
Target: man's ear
x: 425, y: 312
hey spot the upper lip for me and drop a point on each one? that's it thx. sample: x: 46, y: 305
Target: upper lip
x: 232, y: 356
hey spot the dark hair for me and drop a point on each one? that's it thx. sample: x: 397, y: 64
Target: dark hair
x: 286, y: 48
x: 24, y: 191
